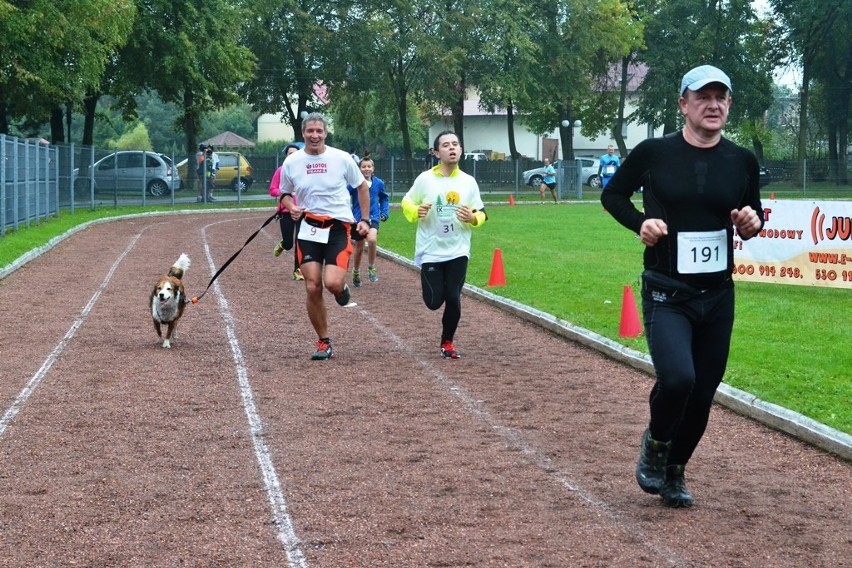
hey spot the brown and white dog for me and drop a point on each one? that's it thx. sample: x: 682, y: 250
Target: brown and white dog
x: 168, y: 300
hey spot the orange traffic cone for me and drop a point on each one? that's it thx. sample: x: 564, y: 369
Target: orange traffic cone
x: 497, y: 278
x: 511, y: 199
x: 630, y: 324
x: 772, y: 195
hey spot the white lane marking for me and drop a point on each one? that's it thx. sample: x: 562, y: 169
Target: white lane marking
x: 275, y: 495
x: 516, y: 439
x: 31, y: 385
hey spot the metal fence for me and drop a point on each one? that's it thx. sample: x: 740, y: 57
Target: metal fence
x: 29, y: 188
x: 38, y: 180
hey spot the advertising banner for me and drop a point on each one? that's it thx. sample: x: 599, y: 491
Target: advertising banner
x: 808, y: 243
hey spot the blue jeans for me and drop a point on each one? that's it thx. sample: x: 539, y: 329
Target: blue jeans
x: 689, y: 337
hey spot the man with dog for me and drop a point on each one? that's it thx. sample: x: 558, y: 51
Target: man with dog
x: 318, y: 175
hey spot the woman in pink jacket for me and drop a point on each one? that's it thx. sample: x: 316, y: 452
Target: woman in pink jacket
x: 288, y: 226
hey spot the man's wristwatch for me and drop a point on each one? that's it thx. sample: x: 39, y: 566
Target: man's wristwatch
x: 364, y: 221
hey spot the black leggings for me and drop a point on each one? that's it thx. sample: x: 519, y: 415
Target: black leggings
x: 442, y: 284
x: 288, y: 231
x: 689, y: 340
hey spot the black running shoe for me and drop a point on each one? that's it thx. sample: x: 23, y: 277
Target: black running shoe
x: 343, y: 298
x: 674, y: 492
x: 651, y: 466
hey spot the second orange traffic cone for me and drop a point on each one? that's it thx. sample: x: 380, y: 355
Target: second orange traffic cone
x: 511, y: 199
x: 497, y: 277
x: 630, y: 326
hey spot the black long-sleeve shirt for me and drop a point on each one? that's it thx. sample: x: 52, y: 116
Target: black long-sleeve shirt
x: 692, y: 190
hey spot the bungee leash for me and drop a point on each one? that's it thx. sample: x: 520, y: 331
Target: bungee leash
x: 235, y: 255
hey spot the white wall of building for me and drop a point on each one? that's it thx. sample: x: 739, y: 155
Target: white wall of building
x: 272, y: 128
x: 484, y: 131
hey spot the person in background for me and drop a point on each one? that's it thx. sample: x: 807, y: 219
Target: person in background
x: 608, y: 165
x: 285, y: 221
x: 446, y: 205
x: 206, y: 173
x: 316, y: 177
x: 548, y: 181
x: 214, y: 158
x: 700, y: 190
x: 379, y: 207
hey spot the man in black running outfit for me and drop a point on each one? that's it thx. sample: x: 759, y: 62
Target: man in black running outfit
x: 699, y: 190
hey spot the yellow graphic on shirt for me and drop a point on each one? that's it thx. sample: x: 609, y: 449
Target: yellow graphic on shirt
x: 446, y: 210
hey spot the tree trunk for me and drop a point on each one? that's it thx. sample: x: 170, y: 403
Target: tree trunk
x: 458, y: 118
x: 4, y: 120
x: 57, y: 129
x: 622, y: 101
x: 191, y: 128
x: 566, y: 133
x: 90, y: 104
x: 510, y: 125
x: 802, y: 152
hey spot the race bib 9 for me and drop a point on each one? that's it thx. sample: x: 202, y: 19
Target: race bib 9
x: 315, y: 234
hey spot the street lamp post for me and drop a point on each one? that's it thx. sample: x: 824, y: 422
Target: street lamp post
x: 566, y: 134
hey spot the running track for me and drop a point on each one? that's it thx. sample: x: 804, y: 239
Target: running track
x: 232, y: 448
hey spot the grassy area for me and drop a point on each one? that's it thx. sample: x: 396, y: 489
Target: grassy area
x: 790, y: 343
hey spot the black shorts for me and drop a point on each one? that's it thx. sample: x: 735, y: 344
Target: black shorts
x: 551, y: 186
x: 336, y: 251
x: 356, y: 236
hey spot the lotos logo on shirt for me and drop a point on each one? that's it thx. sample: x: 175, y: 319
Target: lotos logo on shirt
x: 316, y: 168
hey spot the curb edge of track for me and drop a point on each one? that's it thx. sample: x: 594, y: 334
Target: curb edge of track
x: 777, y: 417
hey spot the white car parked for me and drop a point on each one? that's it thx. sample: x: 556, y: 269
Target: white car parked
x: 589, y: 173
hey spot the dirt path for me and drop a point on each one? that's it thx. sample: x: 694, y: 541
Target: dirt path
x: 234, y: 449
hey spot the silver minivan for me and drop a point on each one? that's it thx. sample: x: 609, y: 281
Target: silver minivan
x: 132, y: 170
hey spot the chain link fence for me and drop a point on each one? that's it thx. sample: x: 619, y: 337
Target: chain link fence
x: 39, y: 180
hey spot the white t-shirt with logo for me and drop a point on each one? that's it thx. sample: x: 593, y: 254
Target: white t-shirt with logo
x: 319, y: 182
x: 440, y: 235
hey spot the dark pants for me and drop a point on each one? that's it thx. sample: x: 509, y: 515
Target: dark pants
x: 288, y: 231
x: 689, y: 339
x: 442, y: 284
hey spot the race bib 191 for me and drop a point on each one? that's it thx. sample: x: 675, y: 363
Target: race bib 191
x: 702, y: 251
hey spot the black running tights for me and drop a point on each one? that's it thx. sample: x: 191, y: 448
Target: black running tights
x: 442, y: 284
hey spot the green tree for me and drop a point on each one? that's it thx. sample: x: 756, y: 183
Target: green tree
x: 53, y: 51
x: 809, y: 28
x: 682, y: 34
x: 513, y: 55
x: 372, y: 98
x: 581, y: 40
x: 134, y: 138
x: 291, y: 40
x: 454, y: 47
x: 188, y: 53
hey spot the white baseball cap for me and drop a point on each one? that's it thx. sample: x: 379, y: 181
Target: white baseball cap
x: 702, y: 76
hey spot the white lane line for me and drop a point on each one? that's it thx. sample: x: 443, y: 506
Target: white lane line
x: 516, y: 440
x: 275, y: 495
x: 31, y: 385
